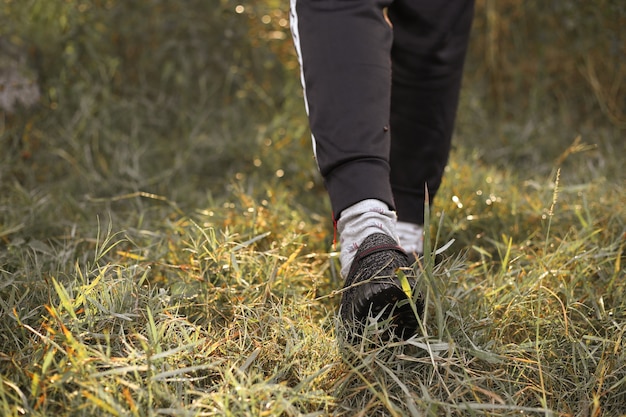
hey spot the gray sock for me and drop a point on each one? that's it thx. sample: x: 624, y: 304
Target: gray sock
x: 358, y: 222
x: 411, y: 237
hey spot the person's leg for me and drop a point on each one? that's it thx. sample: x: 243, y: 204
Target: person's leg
x: 429, y: 46
x: 344, y: 49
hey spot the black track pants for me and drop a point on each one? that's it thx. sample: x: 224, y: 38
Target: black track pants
x: 381, y: 98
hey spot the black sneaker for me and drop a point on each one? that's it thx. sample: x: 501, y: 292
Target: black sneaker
x: 372, y: 285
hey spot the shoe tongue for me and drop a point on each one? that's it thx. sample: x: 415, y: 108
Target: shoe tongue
x: 378, y: 248
x: 377, y: 242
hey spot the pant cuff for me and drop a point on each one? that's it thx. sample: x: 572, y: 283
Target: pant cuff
x: 356, y: 181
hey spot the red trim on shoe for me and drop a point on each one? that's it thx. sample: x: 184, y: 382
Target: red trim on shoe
x: 334, y: 232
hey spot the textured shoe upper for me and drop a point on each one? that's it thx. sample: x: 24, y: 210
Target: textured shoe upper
x: 377, y: 254
x: 371, y: 284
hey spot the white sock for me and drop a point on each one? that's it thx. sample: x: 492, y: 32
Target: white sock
x: 411, y: 237
x: 358, y: 222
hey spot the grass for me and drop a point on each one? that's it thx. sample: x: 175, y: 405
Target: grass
x: 230, y: 310
x: 163, y: 258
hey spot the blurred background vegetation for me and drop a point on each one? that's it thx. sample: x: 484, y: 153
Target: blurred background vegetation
x: 185, y: 99
x: 540, y: 74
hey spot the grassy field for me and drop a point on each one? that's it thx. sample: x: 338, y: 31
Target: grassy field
x: 166, y: 243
